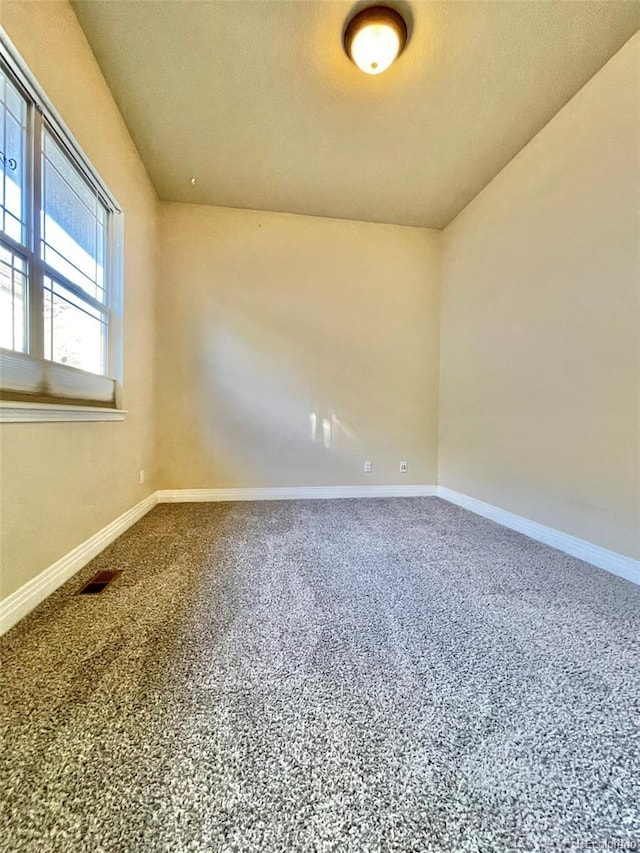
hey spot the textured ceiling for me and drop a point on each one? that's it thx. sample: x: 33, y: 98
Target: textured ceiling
x: 258, y: 101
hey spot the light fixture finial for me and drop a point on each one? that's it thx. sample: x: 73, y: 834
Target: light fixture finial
x: 374, y: 38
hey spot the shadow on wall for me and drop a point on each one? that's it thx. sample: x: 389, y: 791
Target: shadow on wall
x: 295, y: 349
x: 275, y: 402
x: 260, y: 415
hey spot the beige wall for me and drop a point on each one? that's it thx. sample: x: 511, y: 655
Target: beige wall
x: 540, y: 324
x: 62, y: 482
x: 293, y: 348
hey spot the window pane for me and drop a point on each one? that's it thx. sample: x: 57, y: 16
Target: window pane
x: 13, y: 300
x: 74, y: 222
x: 13, y: 149
x: 73, y: 330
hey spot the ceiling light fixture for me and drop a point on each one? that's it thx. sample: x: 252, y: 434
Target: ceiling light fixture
x: 374, y: 38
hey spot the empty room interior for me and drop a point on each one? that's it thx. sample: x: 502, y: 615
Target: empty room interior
x: 320, y: 426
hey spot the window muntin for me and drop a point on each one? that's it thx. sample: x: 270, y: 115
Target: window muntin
x: 13, y: 138
x: 60, y: 269
x: 74, y: 331
x: 13, y: 300
x: 73, y: 222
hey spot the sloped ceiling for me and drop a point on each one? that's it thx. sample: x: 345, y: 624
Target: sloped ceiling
x: 259, y: 103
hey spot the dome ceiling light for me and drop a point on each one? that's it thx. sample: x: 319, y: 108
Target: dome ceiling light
x: 374, y: 38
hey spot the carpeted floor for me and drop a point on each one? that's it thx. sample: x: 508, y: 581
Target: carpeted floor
x: 357, y: 676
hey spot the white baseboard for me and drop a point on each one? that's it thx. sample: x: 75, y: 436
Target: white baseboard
x: 290, y: 493
x: 23, y: 600
x: 611, y: 561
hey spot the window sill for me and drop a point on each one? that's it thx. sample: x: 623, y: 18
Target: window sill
x: 14, y: 412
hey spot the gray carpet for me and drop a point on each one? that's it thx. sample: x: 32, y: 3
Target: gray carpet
x: 373, y: 675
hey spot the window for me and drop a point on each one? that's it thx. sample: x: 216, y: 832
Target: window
x: 60, y: 264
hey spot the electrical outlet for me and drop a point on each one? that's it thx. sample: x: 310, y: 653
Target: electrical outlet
x: 403, y: 467
x: 141, y: 476
x: 368, y: 467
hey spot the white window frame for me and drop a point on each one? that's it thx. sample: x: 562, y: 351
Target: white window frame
x: 31, y: 387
